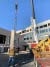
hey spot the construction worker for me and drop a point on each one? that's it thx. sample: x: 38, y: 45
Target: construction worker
x: 11, y: 61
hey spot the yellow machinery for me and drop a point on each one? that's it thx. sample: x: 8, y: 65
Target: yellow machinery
x: 42, y: 49
x: 41, y: 53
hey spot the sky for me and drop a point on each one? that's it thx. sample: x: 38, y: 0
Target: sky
x: 24, y: 13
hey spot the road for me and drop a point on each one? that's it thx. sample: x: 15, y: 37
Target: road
x: 22, y: 60
x: 3, y: 60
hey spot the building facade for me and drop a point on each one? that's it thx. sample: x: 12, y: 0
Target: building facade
x: 42, y: 30
x: 4, y: 39
x: 25, y: 37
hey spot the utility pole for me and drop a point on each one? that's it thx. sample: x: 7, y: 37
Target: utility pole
x: 33, y: 22
x: 34, y: 39
x: 13, y: 37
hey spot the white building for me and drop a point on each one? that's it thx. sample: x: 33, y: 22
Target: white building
x: 24, y: 38
x: 42, y: 30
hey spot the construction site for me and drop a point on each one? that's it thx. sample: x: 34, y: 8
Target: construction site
x: 26, y: 48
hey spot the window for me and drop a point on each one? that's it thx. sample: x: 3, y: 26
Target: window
x: 36, y: 27
x: 41, y: 26
x: 42, y: 31
x: 23, y: 31
x: 27, y: 38
x: 46, y: 30
x: 30, y: 29
x: 19, y: 32
x: 30, y: 37
x: 49, y: 29
x: 27, y: 30
x: 37, y: 30
x: 48, y: 24
x: 24, y: 38
x: 2, y: 39
x: 45, y: 25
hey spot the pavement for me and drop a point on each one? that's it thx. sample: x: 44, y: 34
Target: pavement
x: 20, y: 52
x: 22, y: 59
